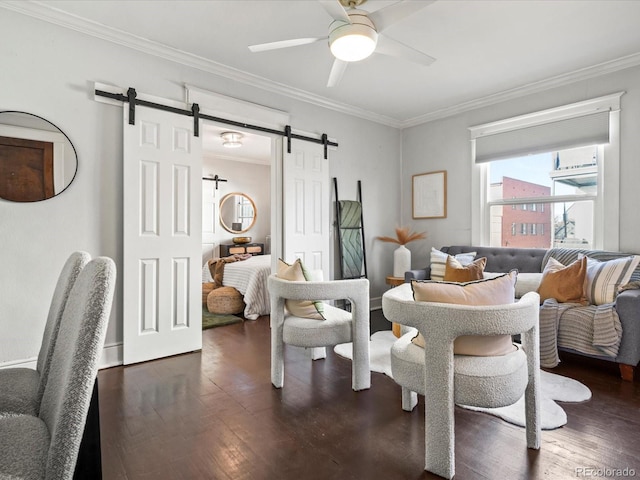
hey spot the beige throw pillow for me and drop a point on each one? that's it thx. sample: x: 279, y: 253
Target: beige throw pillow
x: 299, y: 308
x: 495, y: 291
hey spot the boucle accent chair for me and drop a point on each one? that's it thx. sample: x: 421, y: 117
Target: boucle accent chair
x: 446, y: 379
x: 22, y: 388
x: 338, y: 327
x: 46, y: 446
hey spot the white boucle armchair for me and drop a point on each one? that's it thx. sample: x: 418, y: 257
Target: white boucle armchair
x: 339, y: 326
x: 446, y: 379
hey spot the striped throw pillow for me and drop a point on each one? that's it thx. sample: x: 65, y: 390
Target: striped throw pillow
x: 439, y: 262
x: 605, y: 278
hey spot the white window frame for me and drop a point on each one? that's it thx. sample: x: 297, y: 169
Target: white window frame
x: 607, y: 198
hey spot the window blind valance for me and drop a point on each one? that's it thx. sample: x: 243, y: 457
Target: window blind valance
x: 592, y: 129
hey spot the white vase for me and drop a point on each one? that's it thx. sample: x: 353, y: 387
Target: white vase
x: 401, y: 261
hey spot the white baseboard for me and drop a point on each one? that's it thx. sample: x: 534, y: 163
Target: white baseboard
x: 24, y: 363
x: 375, y: 303
x: 111, y: 356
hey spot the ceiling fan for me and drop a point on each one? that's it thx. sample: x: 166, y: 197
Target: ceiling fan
x: 355, y: 34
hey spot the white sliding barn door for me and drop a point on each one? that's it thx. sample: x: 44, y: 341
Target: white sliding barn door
x: 162, y: 232
x: 306, y: 199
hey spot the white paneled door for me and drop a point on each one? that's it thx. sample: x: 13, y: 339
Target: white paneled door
x: 162, y: 249
x: 306, y: 198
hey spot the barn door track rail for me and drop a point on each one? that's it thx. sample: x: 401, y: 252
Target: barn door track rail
x: 132, y: 100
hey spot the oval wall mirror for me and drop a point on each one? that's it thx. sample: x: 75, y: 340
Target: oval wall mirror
x: 237, y: 212
x: 37, y: 159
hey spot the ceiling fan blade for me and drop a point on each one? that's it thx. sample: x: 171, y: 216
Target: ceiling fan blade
x: 387, y: 16
x: 337, y: 70
x: 393, y: 48
x: 335, y: 9
x: 295, y: 42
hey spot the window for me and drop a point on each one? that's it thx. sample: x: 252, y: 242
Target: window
x: 568, y: 155
x: 568, y: 180
x: 513, y: 229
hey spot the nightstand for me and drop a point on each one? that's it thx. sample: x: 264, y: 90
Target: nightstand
x: 233, y: 248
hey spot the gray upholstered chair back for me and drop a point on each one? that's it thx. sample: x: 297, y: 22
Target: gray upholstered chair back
x: 74, y: 364
x: 67, y: 278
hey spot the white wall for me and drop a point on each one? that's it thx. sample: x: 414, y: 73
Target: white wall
x: 444, y: 145
x: 49, y: 70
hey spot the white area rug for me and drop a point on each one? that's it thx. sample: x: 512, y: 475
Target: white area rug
x: 554, y: 387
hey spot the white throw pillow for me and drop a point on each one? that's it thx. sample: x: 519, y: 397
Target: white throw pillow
x: 605, y: 278
x: 526, y: 282
x: 439, y: 261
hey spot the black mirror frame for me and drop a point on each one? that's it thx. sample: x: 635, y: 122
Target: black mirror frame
x: 75, y: 153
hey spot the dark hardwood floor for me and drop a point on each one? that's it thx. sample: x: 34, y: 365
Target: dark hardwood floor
x: 215, y: 415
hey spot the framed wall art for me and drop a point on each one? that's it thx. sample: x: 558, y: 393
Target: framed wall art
x: 430, y: 194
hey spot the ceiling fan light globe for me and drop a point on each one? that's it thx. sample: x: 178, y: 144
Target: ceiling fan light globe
x: 351, y: 42
x: 353, y: 48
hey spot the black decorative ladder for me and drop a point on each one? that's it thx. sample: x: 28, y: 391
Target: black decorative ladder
x: 350, y: 226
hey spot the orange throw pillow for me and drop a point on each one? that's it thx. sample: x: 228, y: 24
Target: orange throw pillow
x: 565, y: 284
x: 454, y: 271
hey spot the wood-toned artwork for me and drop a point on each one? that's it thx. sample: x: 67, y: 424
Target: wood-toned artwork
x: 26, y: 170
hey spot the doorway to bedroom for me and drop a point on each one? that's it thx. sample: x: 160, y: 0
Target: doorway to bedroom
x: 236, y: 223
x: 239, y: 178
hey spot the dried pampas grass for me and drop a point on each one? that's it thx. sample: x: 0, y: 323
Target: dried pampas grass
x: 404, y: 235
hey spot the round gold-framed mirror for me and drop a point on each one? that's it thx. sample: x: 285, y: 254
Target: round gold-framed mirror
x: 38, y: 160
x: 237, y: 212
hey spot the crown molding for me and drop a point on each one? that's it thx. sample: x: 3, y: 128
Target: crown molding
x: 558, y: 81
x: 55, y: 16
x: 58, y: 17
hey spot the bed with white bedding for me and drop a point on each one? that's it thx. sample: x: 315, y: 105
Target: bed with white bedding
x: 249, y: 277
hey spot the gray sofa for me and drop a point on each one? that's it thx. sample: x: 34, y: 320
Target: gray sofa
x: 533, y: 260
